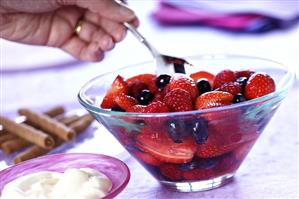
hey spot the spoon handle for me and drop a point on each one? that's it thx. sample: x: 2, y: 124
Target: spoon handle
x: 137, y: 34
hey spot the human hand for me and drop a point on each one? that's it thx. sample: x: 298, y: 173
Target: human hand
x: 52, y: 23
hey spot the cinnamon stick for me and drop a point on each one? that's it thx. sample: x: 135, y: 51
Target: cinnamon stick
x: 28, y: 133
x: 82, y: 124
x: 67, y: 120
x: 13, y: 145
x: 53, y: 112
x: 6, y: 136
x: 48, y: 124
x: 31, y: 152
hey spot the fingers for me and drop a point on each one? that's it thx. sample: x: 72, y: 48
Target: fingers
x: 83, y: 50
x: 92, y: 33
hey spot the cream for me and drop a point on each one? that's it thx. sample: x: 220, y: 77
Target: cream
x: 83, y: 183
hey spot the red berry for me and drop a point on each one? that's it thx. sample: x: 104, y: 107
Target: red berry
x: 160, y: 145
x: 258, y: 85
x: 153, y: 107
x: 213, y: 147
x: 146, y: 158
x: 178, y: 100
x: 243, y: 73
x: 125, y: 101
x: 147, y: 79
x: 183, y: 82
x: 198, y: 174
x: 119, y: 86
x: 171, y: 171
x: 203, y: 74
x: 224, y: 76
x: 213, y: 99
x: 231, y: 87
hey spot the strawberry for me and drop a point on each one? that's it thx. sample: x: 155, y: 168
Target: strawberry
x: 160, y: 145
x: 171, y: 171
x: 243, y: 73
x: 203, y: 74
x: 125, y: 101
x: 147, y: 79
x: 198, y: 174
x: 227, y: 164
x: 178, y: 100
x: 213, y: 99
x: 182, y: 82
x: 119, y: 86
x: 231, y: 87
x: 241, y: 152
x: 222, y: 77
x: 258, y: 85
x: 153, y: 107
x: 146, y: 158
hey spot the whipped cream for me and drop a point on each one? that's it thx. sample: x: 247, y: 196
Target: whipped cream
x: 83, y: 183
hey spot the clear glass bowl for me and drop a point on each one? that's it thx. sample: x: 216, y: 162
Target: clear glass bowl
x: 235, y: 127
x: 114, y: 169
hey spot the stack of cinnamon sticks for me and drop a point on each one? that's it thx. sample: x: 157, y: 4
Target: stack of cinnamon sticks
x: 39, y: 133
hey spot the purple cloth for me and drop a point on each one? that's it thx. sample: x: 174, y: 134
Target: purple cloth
x: 171, y: 14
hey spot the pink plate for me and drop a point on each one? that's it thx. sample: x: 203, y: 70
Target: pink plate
x: 116, y: 170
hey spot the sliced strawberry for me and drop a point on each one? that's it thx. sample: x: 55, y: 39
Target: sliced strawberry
x: 213, y: 99
x: 119, y: 86
x: 178, y: 100
x: 258, y: 85
x: 243, y: 73
x: 146, y: 158
x: 182, y: 82
x: 125, y: 101
x: 214, y: 147
x: 171, y: 171
x: 153, y: 107
x: 222, y: 77
x: 203, y: 74
x: 228, y: 164
x: 231, y: 87
x: 241, y: 152
x: 161, y: 146
x: 198, y: 174
x: 147, y: 79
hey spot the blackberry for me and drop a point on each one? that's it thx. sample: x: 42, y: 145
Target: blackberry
x: 203, y: 85
x: 239, y: 98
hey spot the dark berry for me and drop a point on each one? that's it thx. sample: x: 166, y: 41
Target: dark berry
x: 177, y: 130
x: 203, y: 163
x: 203, y: 85
x: 117, y: 108
x: 239, y: 98
x: 162, y: 80
x: 145, y: 97
x: 200, y: 130
x: 242, y: 81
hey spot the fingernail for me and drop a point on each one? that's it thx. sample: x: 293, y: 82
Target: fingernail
x: 126, y: 12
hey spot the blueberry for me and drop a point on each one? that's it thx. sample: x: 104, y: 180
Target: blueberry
x: 203, y: 163
x: 242, y: 81
x: 162, y: 80
x: 145, y: 97
x: 175, y: 129
x: 200, y: 130
x: 117, y: 108
x: 203, y: 85
x: 239, y: 98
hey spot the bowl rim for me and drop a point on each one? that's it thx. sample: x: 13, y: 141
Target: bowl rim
x: 111, y: 194
x: 283, y: 89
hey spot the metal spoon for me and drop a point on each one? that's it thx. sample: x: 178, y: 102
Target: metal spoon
x: 165, y: 64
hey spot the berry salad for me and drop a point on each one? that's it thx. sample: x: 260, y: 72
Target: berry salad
x: 189, y: 147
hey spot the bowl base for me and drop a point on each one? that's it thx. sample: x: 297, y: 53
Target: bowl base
x: 199, y: 185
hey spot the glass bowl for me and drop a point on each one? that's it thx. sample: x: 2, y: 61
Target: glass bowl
x: 186, y: 165
x: 114, y: 169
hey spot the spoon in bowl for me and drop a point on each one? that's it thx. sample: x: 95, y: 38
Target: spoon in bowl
x: 165, y: 64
